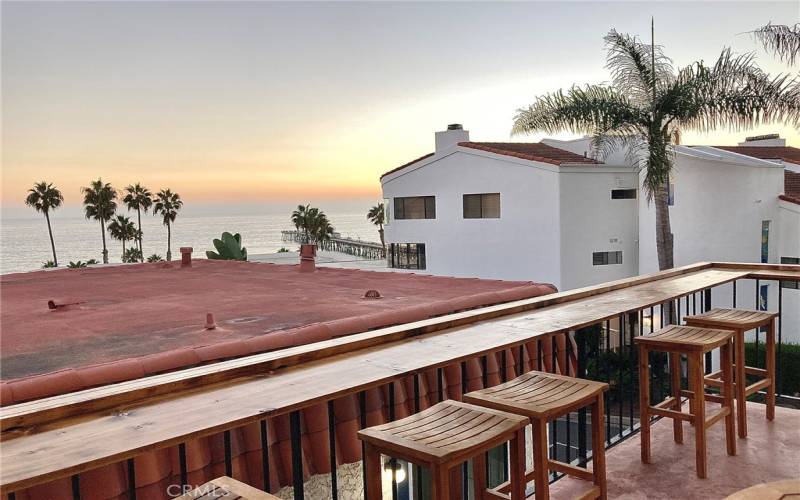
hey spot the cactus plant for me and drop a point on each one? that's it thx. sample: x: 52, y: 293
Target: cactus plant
x: 228, y: 248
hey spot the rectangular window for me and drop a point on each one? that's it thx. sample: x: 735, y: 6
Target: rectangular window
x: 794, y: 285
x: 623, y: 194
x: 482, y: 206
x: 764, y: 241
x: 407, y: 255
x: 606, y: 258
x: 415, y: 207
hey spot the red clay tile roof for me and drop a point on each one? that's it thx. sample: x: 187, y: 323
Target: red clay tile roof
x: 138, y: 320
x: 785, y: 153
x: 791, y: 187
x: 534, y: 151
x: 404, y: 165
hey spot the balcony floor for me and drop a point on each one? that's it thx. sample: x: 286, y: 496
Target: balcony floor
x: 770, y: 453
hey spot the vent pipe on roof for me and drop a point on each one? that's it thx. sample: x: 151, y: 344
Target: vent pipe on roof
x: 186, y: 256
x: 308, y: 255
x: 449, y: 138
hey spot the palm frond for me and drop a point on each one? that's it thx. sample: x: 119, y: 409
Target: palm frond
x: 631, y: 65
x: 582, y: 110
x: 781, y: 39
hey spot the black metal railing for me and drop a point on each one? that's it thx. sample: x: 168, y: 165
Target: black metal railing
x: 603, y: 351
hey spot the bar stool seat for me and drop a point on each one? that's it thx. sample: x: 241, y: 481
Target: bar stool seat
x: 443, y: 436
x: 694, y: 342
x: 741, y: 321
x: 543, y: 397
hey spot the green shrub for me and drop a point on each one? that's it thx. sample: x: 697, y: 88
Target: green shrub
x: 48, y: 264
x: 132, y: 255
x: 155, y: 258
x: 229, y: 247
x: 788, y: 364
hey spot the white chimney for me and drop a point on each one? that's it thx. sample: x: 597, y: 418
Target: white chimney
x: 454, y: 134
x: 764, y: 140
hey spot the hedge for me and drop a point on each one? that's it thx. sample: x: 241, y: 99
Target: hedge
x: 788, y: 365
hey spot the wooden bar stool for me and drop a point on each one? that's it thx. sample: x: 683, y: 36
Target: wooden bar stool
x: 694, y: 343
x: 543, y: 397
x: 741, y: 321
x: 443, y: 436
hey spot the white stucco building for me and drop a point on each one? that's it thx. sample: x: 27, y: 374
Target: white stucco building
x: 549, y: 212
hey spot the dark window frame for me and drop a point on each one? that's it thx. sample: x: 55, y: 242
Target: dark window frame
x: 608, y: 258
x: 481, y: 197
x: 791, y: 285
x: 624, y: 194
x: 406, y: 256
x: 429, y: 203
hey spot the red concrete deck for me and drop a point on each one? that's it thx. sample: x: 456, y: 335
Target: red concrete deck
x: 771, y: 452
x: 136, y: 320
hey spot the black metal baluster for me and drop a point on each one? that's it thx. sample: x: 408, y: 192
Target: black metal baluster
x: 554, y: 423
x: 678, y: 316
x: 131, y: 479
x: 226, y: 436
x: 504, y: 366
x: 362, y: 420
x: 620, y: 374
x: 440, y: 383
x: 485, y: 371
x: 297, y: 455
x: 265, y: 451
x: 734, y: 294
x: 392, y: 461
x: 416, y: 393
x: 568, y: 345
x: 182, y: 462
x: 332, y: 449
x: 76, y: 487
x: 757, y: 308
x: 706, y: 308
x: 779, y: 386
x: 633, y: 367
x: 539, y: 355
x: 521, y: 368
x: 607, y: 370
x: 580, y: 340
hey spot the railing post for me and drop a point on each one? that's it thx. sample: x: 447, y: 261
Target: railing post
x: 707, y: 307
x: 580, y: 339
x: 297, y: 455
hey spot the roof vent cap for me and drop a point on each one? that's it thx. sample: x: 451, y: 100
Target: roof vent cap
x: 455, y: 126
x: 372, y: 294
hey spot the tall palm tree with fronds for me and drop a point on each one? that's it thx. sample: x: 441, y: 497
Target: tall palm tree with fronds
x: 377, y: 216
x: 647, y: 105
x: 99, y: 203
x: 301, y: 218
x: 123, y: 229
x: 139, y: 198
x: 167, y: 204
x: 44, y: 198
x: 312, y: 223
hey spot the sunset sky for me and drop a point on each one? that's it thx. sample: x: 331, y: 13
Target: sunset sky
x: 249, y: 102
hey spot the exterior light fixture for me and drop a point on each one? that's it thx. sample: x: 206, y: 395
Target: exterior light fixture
x: 393, y: 468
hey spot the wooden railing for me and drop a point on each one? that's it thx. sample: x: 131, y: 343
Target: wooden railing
x: 65, y: 436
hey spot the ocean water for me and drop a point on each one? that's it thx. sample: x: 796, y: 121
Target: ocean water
x: 25, y: 245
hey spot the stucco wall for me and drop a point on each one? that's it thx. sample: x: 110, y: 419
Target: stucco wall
x: 522, y: 244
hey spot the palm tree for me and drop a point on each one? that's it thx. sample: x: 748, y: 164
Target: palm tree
x: 377, y: 216
x: 122, y: 228
x: 138, y: 198
x: 313, y: 223
x: 167, y: 204
x: 99, y: 203
x: 301, y: 220
x: 648, y: 104
x: 781, y: 39
x: 44, y: 197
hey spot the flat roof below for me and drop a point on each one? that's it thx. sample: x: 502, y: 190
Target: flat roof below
x: 114, y: 313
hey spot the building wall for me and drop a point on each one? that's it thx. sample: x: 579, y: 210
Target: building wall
x: 593, y: 222
x: 789, y: 246
x: 522, y: 244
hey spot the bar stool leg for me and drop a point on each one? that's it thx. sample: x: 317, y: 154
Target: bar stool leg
x: 644, y: 404
x: 517, y: 465
x: 741, y: 385
x: 374, y: 482
x: 541, y: 466
x: 726, y: 360
x: 675, y: 376
x: 771, y: 370
x: 440, y: 484
x: 599, y: 446
x: 479, y: 475
x: 697, y: 386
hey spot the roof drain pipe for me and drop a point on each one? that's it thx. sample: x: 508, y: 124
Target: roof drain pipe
x: 308, y: 255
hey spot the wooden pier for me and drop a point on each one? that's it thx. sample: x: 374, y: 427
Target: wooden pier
x: 359, y: 248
